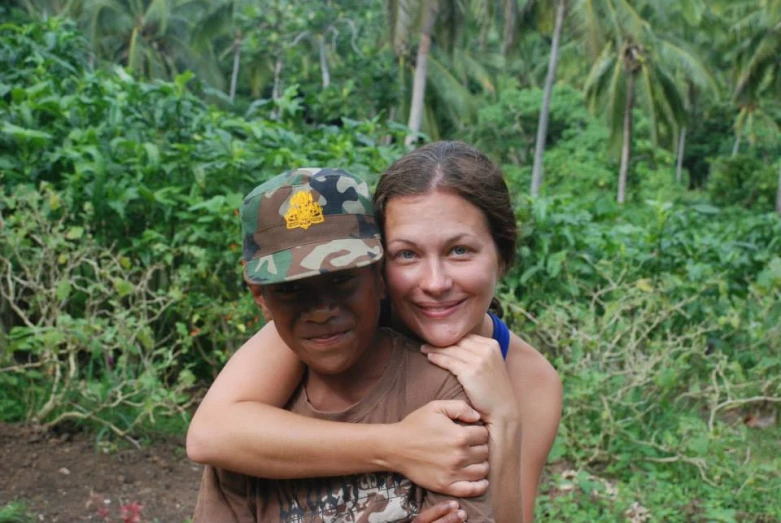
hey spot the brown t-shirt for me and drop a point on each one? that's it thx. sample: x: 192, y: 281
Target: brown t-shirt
x: 408, y: 382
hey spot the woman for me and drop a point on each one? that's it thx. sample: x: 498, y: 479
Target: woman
x: 449, y: 233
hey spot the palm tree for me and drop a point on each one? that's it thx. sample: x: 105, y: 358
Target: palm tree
x: 758, y: 35
x: 149, y: 37
x: 429, y: 9
x: 218, y: 28
x: 550, y: 80
x: 635, y: 65
x: 444, y: 49
x: 700, y: 26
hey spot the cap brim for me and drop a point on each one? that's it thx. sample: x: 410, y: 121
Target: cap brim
x: 314, y: 259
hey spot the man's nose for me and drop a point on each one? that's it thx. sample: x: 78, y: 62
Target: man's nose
x: 321, y: 309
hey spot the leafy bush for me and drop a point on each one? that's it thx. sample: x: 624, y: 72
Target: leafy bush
x: 155, y: 177
x: 84, y: 346
x: 743, y: 180
x: 645, y: 399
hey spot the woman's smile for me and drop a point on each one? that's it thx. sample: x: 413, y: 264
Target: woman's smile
x: 439, y: 310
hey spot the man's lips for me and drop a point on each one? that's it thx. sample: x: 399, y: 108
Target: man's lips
x: 327, y: 337
x: 439, y: 310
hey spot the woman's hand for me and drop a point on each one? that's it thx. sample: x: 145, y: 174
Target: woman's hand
x: 445, y: 512
x: 436, y: 452
x: 477, y: 363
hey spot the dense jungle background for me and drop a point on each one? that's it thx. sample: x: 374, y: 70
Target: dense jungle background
x: 641, y: 142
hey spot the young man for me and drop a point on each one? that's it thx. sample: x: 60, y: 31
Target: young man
x: 312, y: 248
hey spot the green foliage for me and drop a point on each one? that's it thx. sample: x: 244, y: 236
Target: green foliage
x: 743, y: 180
x: 145, y: 180
x: 663, y: 321
x: 507, y: 128
x: 84, y: 346
x: 15, y: 512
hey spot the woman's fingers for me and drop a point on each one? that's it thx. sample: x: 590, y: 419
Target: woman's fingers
x: 468, y: 489
x: 457, y: 352
x: 456, y: 410
x: 478, y: 470
x: 445, y: 512
x: 448, y: 362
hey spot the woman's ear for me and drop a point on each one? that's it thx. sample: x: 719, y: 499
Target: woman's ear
x: 257, y: 294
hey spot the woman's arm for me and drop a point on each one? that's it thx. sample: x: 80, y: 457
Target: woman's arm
x: 538, y: 392
x: 239, y: 427
x: 477, y: 362
x: 536, y: 387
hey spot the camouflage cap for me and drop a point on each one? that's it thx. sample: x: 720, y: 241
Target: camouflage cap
x: 306, y: 222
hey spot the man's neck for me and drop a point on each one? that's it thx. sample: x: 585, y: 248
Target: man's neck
x: 337, y: 392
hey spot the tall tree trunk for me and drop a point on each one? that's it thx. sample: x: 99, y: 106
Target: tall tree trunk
x: 736, y: 145
x: 276, y: 91
x: 236, y: 57
x: 626, y: 150
x: 323, y: 62
x: 681, y: 149
x: 778, y: 195
x: 421, y: 68
x: 132, y: 58
x: 550, y: 80
x: 510, y: 19
x: 483, y: 39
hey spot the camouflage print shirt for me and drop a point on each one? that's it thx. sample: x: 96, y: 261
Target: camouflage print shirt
x: 408, y: 382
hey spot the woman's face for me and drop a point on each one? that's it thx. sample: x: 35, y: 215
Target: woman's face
x: 441, y: 265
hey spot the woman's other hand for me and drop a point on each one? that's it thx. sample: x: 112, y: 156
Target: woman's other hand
x: 435, y: 450
x: 477, y: 363
x: 445, y: 512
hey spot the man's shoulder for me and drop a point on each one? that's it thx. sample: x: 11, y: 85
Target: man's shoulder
x: 422, y: 375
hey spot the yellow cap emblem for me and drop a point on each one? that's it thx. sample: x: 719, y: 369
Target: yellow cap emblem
x: 303, y: 212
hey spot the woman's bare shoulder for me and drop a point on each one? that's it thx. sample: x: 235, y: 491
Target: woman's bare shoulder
x: 535, y: 376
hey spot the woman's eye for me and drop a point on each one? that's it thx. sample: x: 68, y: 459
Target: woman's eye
x: 460, y: 250
x: 405, y: 254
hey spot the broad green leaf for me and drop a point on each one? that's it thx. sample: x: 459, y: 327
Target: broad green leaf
x: 75, y: 233
x: 20, y: 133
x: 123, y: 287
x: 63, y: 290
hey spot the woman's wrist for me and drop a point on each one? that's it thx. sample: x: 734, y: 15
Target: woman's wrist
x: 506, y: 416
x: 382, y: 447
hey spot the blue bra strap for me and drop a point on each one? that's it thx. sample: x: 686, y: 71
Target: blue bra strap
x: 501, y: 334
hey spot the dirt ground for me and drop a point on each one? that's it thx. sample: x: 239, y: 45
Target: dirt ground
x: 67, y: 477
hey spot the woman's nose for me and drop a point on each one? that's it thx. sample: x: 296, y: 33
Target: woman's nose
x: 435, y: 278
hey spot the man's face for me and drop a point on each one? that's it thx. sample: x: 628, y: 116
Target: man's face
x: 330, y: 320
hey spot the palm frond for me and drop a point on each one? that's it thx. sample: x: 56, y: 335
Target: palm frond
x: 457, y: 100
x: 679, y: 57
x: 586, y: 21
x: 216, y: 22
x: 628, y: 21
x: 614, y: 98
x: 598, y: 76
x: 763, y: 60
x: 402, y: 16
x: 647, y: 90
